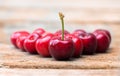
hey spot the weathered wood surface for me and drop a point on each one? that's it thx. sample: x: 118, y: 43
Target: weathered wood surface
x: 9, y: 55
x: 14, y: 58
x: 57, y: 72
x: 78, y: 11
x: 30, y: 14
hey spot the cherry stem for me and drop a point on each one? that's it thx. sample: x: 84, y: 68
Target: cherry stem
x: 62, y: 21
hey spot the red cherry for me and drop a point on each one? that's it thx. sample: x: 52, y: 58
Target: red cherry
x: 78, y: 32
x: 47, y: 34
x: 29, y: 43
x: 16, y: 34
x: 59, y: 32
x: 42, y: 45
x: 89, y: 42
x: 105, y: 31
x: 39, y: 31
x: 61, y: 49
x: 20, y: 42
x: 103, y: 42
x: 77, y: 44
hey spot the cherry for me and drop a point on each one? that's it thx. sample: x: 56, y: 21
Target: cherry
x: 20, y: 42
x: 61, y: 48
x: 43, y: 43
x: 59, y: 32
x: 77, y: 44
x: 103, y: 42
x: 39, y: 31
x: 15, y: 35
x: 29, y: 43
x: 105, y: 31
x: 78, y: 32
x: 89, y: 42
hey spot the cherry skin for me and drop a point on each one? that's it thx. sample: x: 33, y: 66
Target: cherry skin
x: 59, y: 32
x: 29, y: 43
x: 47, y: 34
x: 105, y: 31
x: 39, y: 31
x: 103, y: 42
x: 77, y: 44
x: 42, y: 45
x: 89, y: 43
x: 15, y: 35
x: 78, y: 32
x: 61, y: 49
x: 20, y: 42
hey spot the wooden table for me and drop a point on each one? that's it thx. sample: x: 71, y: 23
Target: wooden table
x: 58, y: 72
x: 5, y: 71
x: 31, y: 14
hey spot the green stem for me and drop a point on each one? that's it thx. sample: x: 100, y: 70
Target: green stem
x: 62, y: 21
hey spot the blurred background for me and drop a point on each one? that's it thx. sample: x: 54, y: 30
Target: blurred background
x: 31, y: 14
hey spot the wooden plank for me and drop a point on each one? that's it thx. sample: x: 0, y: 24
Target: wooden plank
x: 14, y: 58
x: 45, y: 15
x: 61, y: 3
x: 81, y: 11
x: 56, y: 72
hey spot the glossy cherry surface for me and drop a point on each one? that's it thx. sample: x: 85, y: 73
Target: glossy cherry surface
x: 29, y: 43
x: 42, y: 45
x: 16, y: 34
x: 89, y: 43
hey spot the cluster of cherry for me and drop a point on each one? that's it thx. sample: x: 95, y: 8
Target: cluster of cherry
x: 62, y: 45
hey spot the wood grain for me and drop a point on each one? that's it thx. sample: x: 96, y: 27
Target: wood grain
x: 58, y: 72
x: 15, y: 58
x: 16, y: 14
x: 79, y: 11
